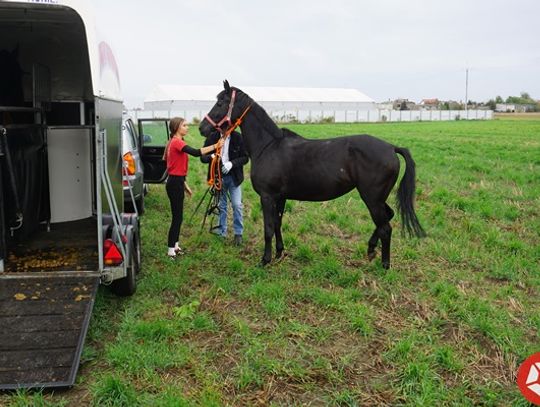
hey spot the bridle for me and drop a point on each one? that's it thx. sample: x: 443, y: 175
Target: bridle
x: 215, y: 169
x: 226, y: 118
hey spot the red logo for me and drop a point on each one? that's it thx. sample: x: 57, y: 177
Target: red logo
x: 528, y: 378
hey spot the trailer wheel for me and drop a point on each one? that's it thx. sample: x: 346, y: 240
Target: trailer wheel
x: 128, y: 285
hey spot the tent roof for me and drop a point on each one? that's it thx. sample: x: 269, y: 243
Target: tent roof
x: 259, y: 94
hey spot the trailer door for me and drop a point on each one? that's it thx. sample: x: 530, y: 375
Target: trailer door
x: 153, y: 137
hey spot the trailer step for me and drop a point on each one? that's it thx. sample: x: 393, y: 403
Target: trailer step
x: 43, y: 322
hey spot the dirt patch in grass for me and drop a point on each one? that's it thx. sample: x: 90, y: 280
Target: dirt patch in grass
x: 349, y: 360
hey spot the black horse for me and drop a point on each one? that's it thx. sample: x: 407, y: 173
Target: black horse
x: 285, y: 166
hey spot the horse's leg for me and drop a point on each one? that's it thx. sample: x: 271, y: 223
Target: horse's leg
x: 386, y: 237
x: 372, y: 244
x: 385, y: 234
x: 389, y: 212
x: 280, y: 207
x: 380, y: 216
x: 268, y: 204
x: 374, y: 239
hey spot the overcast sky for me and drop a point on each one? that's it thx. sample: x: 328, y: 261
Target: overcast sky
x: 387, y: 49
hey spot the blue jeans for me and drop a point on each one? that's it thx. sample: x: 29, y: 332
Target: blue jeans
x: 235, y: 192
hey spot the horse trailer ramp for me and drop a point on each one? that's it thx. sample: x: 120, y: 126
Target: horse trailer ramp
x: 43, y: 322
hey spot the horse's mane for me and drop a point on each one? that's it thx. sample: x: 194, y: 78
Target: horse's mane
x: 266, y: 121
x: 289, y: 133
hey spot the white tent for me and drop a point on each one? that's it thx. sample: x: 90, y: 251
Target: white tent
x: 284, y: 104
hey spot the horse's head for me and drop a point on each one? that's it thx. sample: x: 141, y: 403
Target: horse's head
x: 11, y: 91
x: 231, y: 104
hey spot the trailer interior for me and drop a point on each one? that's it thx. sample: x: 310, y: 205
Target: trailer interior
x: 47, y: 114
x: 49, y: 254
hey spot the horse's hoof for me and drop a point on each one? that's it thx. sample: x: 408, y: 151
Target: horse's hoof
x: 264, y: 262
x: 371, y: 255
x: 279, y: 254
x: 386, y: 265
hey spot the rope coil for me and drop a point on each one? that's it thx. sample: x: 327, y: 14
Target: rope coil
x: 215, y: 180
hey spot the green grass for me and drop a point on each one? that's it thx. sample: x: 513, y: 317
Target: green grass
x: 448, y: 324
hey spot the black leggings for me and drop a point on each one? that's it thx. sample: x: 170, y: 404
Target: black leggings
x: 175, y: 192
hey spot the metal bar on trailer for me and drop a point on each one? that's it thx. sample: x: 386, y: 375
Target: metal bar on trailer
x: 106, y: 182
x: 97, y: 186
x: 16, y: 109
x: 3, y: 248
x: 12, y: 181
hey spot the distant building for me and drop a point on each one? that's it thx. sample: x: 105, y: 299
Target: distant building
x: 505, y: 107
x: 514, y: 108
x: 429, y: 104
x: 403, y: 104
x: 387, y: 105
x: 282, y: 103
x: 454, y: 105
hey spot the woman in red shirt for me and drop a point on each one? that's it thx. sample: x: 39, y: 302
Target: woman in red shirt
x: 176, y: 155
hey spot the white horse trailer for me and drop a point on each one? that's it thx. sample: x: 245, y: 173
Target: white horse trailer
x: 63, y: 229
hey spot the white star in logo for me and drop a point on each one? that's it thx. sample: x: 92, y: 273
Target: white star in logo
x: 532, y: 379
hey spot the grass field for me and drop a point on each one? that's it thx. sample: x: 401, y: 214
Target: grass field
x: 448, y: 324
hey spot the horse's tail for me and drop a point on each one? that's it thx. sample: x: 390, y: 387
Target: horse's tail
x: 405, y: 196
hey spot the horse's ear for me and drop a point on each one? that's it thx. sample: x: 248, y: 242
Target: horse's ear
x: 226, y: 86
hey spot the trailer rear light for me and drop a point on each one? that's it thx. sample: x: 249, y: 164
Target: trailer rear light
x: 112, y: 257
x: 130, y: 167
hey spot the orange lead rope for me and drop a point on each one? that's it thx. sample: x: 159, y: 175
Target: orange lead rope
x: 215, y: 169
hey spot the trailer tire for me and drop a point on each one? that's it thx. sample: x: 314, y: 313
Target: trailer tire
x: 127, y: 286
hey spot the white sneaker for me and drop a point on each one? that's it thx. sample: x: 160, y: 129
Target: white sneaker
x: 179, y: 250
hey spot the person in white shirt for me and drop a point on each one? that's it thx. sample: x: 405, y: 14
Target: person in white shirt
x: 233, y: 159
